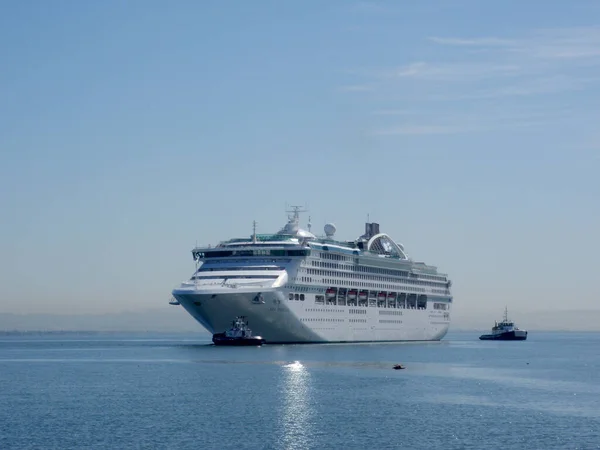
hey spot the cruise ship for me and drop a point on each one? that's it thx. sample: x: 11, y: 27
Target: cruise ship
x: 296, y: 287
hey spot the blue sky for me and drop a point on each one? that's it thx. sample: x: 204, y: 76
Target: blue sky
x: 129, y: 131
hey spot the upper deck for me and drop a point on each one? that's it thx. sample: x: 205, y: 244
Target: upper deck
x: 371, y: 248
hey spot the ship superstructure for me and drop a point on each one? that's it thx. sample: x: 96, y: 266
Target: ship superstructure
x: 296, y: 287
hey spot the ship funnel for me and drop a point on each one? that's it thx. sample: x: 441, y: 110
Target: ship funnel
x: 371, y: 229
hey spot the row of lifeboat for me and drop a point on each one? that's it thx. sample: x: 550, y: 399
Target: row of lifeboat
x: 362, y: 295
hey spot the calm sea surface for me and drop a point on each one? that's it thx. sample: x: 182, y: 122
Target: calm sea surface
x: 175, y: 391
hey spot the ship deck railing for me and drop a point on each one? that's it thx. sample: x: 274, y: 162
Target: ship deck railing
x: 260, y: 283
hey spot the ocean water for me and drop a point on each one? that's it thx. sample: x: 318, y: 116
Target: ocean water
x: 84, y: 391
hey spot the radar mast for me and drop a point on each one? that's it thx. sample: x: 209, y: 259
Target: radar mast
x: 295, y: 211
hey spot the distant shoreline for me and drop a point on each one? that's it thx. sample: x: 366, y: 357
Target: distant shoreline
x: 174, y: 320
x: 97, y: 332
x: 202, y: 332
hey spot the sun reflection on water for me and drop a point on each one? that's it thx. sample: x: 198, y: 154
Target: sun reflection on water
x: 296, y: 366
x: 296, y: 418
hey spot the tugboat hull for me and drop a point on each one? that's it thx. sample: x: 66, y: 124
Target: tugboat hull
x: 222, y: 340
x: 507, y: 336
x: 239, y: 334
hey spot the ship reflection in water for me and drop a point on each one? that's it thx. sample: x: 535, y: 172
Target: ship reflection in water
x: 296, y: 422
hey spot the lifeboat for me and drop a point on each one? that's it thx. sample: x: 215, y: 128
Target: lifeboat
x: 363, y: 295
x: 391, y: 295
x: 330, y: 293
x: 381, y: 296
x: 352, y: 294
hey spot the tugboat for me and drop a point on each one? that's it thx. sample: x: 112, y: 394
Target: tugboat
x: 239, y: 334
x: 505, y: 331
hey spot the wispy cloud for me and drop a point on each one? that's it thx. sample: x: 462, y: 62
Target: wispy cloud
x: 356, y: 88
x: 392, y: 112
x: 478, y: 72
x: 454, y: 71
x: 528, y: 87
x: 475, y: 42
x: 544, y: 53
x: 370, y: 7
x: 424, y: 129
x: 561, y: 43
x: 437, y: 124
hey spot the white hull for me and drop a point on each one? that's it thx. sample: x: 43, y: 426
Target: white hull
x: 295, y: 287
x: 280, y: 320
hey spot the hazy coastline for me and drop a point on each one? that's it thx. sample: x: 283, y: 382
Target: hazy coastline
x: 174, y: 320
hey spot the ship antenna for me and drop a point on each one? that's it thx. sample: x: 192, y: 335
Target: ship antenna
x: 295, y: 211
x: 309, y: 225
x: 254, y: 231
x: 506, y: 314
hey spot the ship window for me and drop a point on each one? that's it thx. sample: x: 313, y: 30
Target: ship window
x: 302, y: 297
x: 291, y: 296
x: 248, y: 268
x: 296, y: 297
x: 217, y: 254
x: 298, y: 252
x: 220, y: 277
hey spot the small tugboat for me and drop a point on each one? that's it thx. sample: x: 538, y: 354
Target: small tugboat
x: 399, y: 367
x: 239, y: 334
x: 505, y: 331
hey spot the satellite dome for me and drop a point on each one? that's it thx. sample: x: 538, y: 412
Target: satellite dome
x: 330, y: 230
